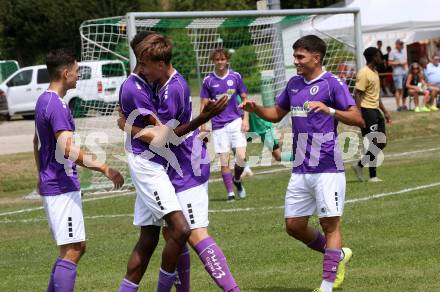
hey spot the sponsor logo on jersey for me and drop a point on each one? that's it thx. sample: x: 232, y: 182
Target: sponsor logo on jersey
x: 300, y: 111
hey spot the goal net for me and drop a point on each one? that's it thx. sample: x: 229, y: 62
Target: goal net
x: 260, y: 47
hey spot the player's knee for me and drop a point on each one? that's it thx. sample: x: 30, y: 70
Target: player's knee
x: 295, y: 230
x: 82, y: 249
x: 240, y: 159
x: 329, y: 226
x: 182, y: 234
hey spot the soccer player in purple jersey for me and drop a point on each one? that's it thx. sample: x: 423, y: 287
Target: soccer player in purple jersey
x: 56, y: 157
x: 155, y: 195
x: 316, y: 100
x: 190, y: 179
x: 229, y: 127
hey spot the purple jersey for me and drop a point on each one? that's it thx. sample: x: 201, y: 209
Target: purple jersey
x: 136, y: 94
x: 192, y: 167
x: 215, y: 87
x: 58, y: 174
x: 314, y: 134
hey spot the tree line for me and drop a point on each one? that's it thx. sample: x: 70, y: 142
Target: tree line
x: 29, y: 28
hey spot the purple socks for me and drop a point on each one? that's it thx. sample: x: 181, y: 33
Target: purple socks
x: 183, y: 271
x: 330, y: 264
x: 318, y: 243
x: 64, y: 275
x: 166, y: 281
x: 238, y: 170
x: 50, y: 286
x: 128, y: 286
x: 227, y: 180
x: 216, y: 265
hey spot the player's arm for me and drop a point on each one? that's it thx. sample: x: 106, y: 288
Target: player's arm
x: 271, y: 114
x: 37, y: 160
x: 245, y: 124
x: 160, y: 134
x: 65, y: 142
x: 359, y: 96
x: 210, y: 110
x: 203, y: 102
x: 352, y: 116
x: 385, y: 112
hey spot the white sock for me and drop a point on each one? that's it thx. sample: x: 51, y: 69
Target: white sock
x: 327, y: 286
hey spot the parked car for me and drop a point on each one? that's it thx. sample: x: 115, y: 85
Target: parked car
x: 97, y: 88
x: 7, y: 67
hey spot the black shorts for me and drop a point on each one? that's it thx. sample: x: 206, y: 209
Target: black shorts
x: 374, y: 121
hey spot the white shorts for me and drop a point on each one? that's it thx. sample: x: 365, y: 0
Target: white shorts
x: 155, y: 195
x: 315, y: 193
x: 230, y: 136
x: 65, y: 216
x: 194, y: 203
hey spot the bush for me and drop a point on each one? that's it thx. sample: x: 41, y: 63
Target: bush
x: 245, y: 62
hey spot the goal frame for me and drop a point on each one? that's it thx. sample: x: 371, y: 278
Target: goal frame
x: 131, y: 21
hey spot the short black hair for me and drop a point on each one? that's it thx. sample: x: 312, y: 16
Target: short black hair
x: 57, y: 60
x: 370, y: 53
x: 311, y: 43
x: 139, y: 37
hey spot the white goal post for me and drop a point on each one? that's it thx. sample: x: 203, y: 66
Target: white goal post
x: 260, y: 43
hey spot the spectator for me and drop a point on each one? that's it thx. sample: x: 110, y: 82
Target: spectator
x: 381, y: 69
x: 432, y: 73
x: 397, y: 59
x: 389, y: 73
x: 437, y: 51
x: 416, y: 85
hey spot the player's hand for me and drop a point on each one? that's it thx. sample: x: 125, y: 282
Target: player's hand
x: 245, y: 126
x: 318, y: 106
x: 115, y: 176
x: 162, y: 135
x: 213, y: 108
x: 248, y: 105
x: 387, y: 117
x: 204, y: 133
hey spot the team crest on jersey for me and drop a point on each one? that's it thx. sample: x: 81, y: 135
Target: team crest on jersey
x: 230, y: 82
x: 314, y: 90
x: 300, y: 111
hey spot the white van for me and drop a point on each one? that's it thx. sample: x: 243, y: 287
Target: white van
x: 98, y: 86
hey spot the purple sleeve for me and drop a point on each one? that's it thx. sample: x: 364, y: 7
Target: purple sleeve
x: 142, y: 102
x: 59, y: 116
x: 341, y: 97
x: 171, y: 106
x: 204, y: 92
x: 241, y: 88
x: 283, y: 100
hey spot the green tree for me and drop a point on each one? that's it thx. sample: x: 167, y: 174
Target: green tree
x: 244, y: 61
x: 29, y: 29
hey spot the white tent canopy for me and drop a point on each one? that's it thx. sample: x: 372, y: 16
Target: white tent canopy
x: 385, y: 20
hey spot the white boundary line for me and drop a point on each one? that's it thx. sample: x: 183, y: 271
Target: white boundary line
x: 251, y: 209
x: 123, y: 194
